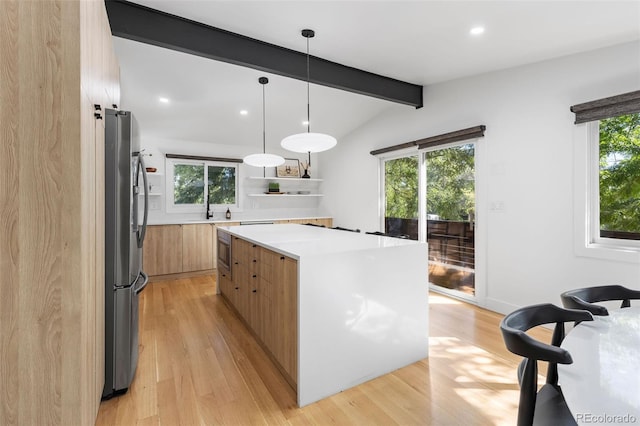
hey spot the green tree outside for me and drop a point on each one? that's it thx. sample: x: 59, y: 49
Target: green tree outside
x: 620, y: 173
x: 188, y: 184
x: 222, y: 185
x: 401, y: 188
x: 451, y: 182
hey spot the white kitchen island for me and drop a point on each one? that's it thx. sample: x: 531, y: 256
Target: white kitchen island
x: 362, y: 303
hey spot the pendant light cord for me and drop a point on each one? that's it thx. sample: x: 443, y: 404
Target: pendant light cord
x: 308, y: 81
x: 264, y: 131
x: 308, y: 103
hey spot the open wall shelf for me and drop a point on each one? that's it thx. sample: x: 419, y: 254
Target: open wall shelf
x: 285, y: 179
x: 285, y: 195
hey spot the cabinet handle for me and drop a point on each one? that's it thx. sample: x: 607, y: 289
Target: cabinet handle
x: 281, y: 257
x: 224, y: 275
x: 114, y: 106
x: 237, y: 288
x: 254, y: 245
x: 235, y: 263
x: 254, y: 291
x: 97, y: 116
x: 254, y: 275
x: 254, y: 260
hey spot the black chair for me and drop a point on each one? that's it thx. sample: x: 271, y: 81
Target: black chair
x: 315, y: 224
x: 339, y: 228
x: 583, y: 298
x: 546, y: 406
x: 383, y: 234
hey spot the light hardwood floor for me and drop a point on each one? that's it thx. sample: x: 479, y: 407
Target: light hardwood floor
x: 200, y: 366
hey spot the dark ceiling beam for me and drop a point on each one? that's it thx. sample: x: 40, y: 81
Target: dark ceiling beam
x: 136, y: 22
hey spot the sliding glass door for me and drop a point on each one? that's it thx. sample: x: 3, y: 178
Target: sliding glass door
x: 450, y: 217
x: 432, y: 197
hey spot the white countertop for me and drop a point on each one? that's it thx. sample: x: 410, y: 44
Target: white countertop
x: 295, y: 240
x: 222, y: 222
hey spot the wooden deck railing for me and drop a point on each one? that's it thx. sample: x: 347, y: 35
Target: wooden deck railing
x: 450, y: 242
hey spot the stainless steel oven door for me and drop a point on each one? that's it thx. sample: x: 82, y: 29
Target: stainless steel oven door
x: 224, y: 250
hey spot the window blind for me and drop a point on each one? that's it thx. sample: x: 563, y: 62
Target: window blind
x: 443, y: 139
x: 200, y: 158
x: 627, y: 103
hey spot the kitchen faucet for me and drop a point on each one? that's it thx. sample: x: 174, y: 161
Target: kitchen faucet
x: 209, y: 212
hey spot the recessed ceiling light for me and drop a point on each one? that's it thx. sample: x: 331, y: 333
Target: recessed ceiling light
x: 163, y: 100
x: 244, y: 112
x: 476, y: 31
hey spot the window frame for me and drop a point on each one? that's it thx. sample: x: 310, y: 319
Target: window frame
x: 586, y: 149
x: 170, y: 164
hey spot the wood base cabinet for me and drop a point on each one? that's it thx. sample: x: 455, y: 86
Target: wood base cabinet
x: 263, y: 289
x: 162, y: 250
x: 174, y: 249
x: 197, y: 247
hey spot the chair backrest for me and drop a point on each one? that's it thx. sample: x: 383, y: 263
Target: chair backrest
x: 339, y: 228
x: 383, y: 234
x: 513, y: 328
x: 583, y: 298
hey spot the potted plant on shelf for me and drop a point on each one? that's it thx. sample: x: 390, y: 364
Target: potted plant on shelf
x: 274, y: 187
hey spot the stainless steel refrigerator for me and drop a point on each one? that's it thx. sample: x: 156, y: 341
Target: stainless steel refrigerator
x: 125, y: 183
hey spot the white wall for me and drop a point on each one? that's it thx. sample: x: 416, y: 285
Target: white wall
x: 252, y: 208
x: 526, y: 163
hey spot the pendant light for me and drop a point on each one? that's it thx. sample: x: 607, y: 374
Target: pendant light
x: 263, y: 159
x: 308, y: 142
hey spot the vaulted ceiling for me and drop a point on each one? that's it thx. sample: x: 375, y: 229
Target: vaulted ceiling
x: 420, y: 42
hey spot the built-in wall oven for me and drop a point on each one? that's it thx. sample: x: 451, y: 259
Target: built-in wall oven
x: 224, y: 250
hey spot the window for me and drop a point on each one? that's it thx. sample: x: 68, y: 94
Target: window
x: 616, y: 197
x: 188, y: 192
x: 607, y: 177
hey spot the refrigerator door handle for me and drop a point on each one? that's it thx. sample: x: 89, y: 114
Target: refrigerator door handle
x: 144, y: 283
x: 145, y: 215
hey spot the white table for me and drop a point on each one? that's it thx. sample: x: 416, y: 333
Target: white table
x: 602, y: 386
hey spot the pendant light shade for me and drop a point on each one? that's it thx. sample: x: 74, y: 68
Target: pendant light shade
x: 308, y: 142
x: 263, y: 159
